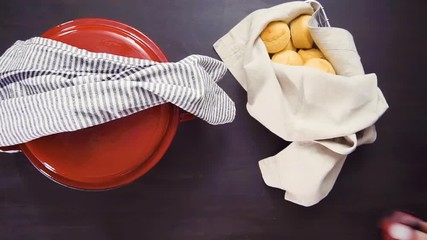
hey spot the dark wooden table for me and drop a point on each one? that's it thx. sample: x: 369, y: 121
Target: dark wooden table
x: 208, y: 185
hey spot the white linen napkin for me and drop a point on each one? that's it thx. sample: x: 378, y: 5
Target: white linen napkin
x: 325, y: 116
x: 48, y: 87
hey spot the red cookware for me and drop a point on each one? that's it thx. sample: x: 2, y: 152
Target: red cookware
x: 118, y: 152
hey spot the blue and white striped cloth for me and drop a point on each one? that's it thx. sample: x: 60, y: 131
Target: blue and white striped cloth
x: 48, y: 87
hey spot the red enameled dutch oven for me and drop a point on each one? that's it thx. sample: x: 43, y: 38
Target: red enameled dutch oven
x: 118, y: 152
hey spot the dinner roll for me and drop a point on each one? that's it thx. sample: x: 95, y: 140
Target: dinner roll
x: 276, y: 36
x: 310, y: 53
x: 288, y: 57
x: 300, y: 34
x: 320, y: 64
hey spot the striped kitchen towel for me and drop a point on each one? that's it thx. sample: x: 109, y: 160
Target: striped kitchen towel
x: 48, y: 87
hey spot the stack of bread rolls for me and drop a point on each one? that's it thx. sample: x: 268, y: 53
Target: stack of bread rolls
x: 293, y: 45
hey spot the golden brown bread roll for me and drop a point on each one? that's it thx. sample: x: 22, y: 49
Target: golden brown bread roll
x: 276, y: 36
x: 300, y: 34
x: 288, y: 57
x: 320, y: 64
x: 310, y: 53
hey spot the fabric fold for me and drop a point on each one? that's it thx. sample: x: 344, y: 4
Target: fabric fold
x: 308, y: 170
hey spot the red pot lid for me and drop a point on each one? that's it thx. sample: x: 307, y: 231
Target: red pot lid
x: 118, y: 152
